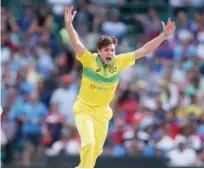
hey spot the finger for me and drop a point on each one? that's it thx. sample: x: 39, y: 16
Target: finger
x: 163, y: 24
x: 65, y: 13
x: 72, y: 9
x: 74, y: 13
x: 65, y: 16
x: 169, y: 20
x: 174, y: 25
x: 171, y: 24
x: 69, y: 10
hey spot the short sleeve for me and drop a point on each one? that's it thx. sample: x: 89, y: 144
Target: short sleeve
x: 125, y: 60
x: 86, y: 58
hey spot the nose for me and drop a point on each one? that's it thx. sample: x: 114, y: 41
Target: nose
x: 110, y: 54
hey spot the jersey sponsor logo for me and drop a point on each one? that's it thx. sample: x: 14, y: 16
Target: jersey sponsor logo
x: 98, y: 70
x: 92, y: 75
x: 112, y: 69
x: 100, y: 88
x: 92, y: 86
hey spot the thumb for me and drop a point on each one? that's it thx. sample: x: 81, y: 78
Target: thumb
x: 163, y: 25
x: 74, y: 13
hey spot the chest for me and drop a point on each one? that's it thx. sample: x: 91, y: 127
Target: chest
x: 99, y: 73
x: 105, y: 71
x: 66, y: 96
x: 32, y: 111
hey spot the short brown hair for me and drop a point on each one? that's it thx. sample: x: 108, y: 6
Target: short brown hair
x: 105, y: 41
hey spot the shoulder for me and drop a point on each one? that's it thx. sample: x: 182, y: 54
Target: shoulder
x: 126, y: 54
x: 87, y: 58
x: 58, y: 91
x: 95, y: 55
x: 190, y: 151
x: 125, y: 58
x: 172, y: 152
x: 86, y: 53
x: 42, y: 106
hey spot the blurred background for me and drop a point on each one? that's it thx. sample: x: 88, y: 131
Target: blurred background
x: 159, y: 104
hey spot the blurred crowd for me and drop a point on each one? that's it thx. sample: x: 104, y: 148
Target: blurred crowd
x: 158, y: 106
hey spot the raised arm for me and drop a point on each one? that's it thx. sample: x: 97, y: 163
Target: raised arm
x: 153, y: 44
x: 74, y: 37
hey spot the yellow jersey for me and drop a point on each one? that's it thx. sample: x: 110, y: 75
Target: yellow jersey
x: 99, y: 81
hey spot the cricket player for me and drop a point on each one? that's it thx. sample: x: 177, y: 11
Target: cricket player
x: 100, y: 78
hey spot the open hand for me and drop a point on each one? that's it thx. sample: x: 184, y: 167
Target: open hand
x: 69, y: 15
x: 169, y: 28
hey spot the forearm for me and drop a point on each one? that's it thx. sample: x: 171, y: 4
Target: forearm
x: 74, y: 37
x: 150, y: 46
x: 153, y: 44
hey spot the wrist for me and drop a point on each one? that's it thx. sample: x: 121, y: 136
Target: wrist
x: 163, y: 35
x: 69, y: 24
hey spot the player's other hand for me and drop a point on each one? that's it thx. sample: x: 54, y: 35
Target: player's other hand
x: 69, y: 15
x: 169, y: 28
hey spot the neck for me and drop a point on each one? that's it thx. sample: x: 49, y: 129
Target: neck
x: 102, y: 61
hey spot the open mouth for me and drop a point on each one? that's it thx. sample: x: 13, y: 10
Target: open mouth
x: 108, y: 59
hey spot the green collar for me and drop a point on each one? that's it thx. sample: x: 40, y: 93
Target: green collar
x: 100, y: 63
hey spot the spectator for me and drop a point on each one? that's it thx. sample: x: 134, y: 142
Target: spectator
x: 54, y: 123
x: 166, y: 142
x: 128, y: 104
x: 169, y: 95
x: 65, y: 97
x: 151, y: 23
x: 43, y: 21
x: 27, y: 19
x: 3, y: 143
x: 114, y: 27
x: 7, y: 137
x: 69, y: 144
x: 34, y: 113
x: 200, y: 158
x: 182, y: 156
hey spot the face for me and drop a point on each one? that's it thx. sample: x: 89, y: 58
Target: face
x: 182, y: 16
x: 107, y: 53
x: 152, y: 13
x: 34, y: 97
x: 66, y: 85
x: 28, y: 12
x: 54, y: 108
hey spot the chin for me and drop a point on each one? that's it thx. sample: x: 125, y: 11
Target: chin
x: 107, y: 63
